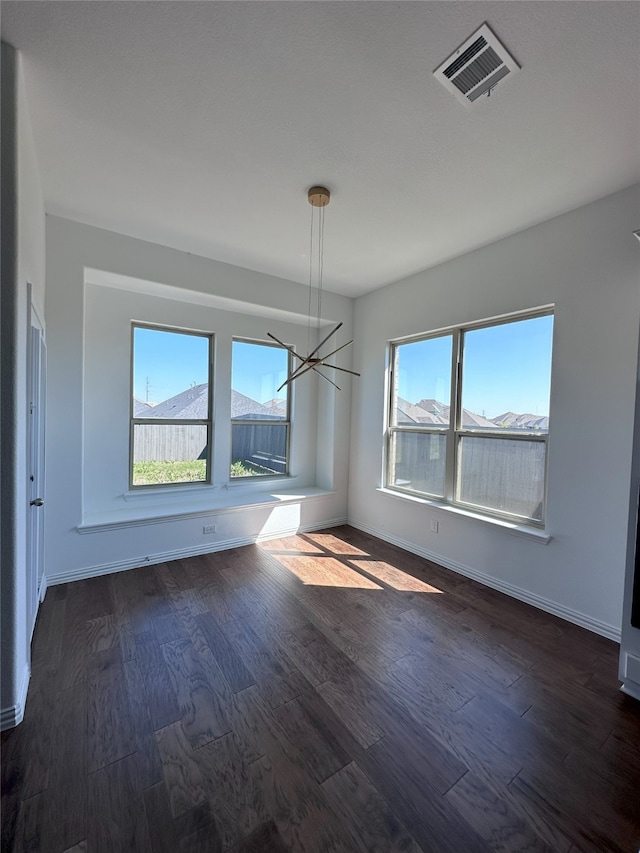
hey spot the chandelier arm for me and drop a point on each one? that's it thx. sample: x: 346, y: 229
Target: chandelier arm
x: 300, y: 370
x: 331, y: 382
x: 307, y: 363
x: 343, y: 369
x: 333, y: 352
x: 323, y: 341
x: 286, y: 346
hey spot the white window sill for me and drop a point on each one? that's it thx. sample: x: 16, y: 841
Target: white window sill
x: 523, y: 530
x: 197, y: 506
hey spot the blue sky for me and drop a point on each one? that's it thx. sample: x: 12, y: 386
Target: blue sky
x: 257, y: 371
x: 506, y: 368
x: 171, y: 362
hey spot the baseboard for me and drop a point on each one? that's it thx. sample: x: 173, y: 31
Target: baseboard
x: 631, y: 689
x: 43, y: 588
x: 566, y: 613
x: 183, y: 553
x: 12, y: 716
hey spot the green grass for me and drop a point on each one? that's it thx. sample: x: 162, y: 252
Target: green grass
x: 159, y: 473
x: 242, y: 468
x: 195, y: 471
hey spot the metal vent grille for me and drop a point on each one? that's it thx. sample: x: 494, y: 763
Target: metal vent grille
x: 476, y: 67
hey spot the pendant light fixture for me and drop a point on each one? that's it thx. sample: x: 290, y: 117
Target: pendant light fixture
x: 319, y: 198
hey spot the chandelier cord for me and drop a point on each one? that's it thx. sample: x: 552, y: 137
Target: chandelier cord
x: 320, y: 262
x: 310, y: 282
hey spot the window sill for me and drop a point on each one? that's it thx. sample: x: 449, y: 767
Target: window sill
x: 533, y: 533
x: 213, y: 503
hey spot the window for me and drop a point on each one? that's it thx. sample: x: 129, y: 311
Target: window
x: 469, y: 416
x: 260, y: 420
x: 170, y: 407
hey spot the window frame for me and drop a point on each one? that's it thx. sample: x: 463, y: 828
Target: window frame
x: 260, y: 478
x: 454, y: 431
x: 208, y: 422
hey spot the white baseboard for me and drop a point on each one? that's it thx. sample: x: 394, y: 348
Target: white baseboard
x: 566, y: 613
x: 12, y: 716
x: 183, y: 553
x: 631, y: 689
x: 43, y: 588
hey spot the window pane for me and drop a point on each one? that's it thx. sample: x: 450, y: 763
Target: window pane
x: 258, y: 450
x: 169, y: 453
x: 502, y: 474
x: 507, y: 375
x: 170, y: 374
x: 257, y: 372
x: 422, y: 392
x: 417, y: 462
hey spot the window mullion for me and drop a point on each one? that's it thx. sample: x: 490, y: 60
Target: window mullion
x: 450, y: 469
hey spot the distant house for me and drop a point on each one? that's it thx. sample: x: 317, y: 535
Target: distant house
x: 186, y: 441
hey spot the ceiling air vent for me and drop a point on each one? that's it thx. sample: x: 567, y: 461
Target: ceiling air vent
x: 476, y: 67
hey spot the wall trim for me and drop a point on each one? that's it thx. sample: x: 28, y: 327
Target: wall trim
x: 183, y: 553
x: 631, y: 689
x: 13, y: 715
x: 546, y: 604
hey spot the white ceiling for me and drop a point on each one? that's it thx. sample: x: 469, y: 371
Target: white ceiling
x: 200, y: 125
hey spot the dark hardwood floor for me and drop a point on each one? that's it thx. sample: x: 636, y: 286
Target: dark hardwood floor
x: 323, y: 692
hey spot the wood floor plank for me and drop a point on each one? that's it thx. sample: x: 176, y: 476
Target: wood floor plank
x: 319, y: 751
x: 265, y: 839
x: 374, y: 827
x: 64, y: 802
x: 116, y: 809
x: 197, y: 684
x: 237, y: 788
x: 109, y: 724
x: 11, y: 796
x: 161, y: 696
x: 182, y: 773
x: 227, y: 658
x: 491, y: 817
x: 431, y: 820
x: 324, y: 692
x: 141, y: 727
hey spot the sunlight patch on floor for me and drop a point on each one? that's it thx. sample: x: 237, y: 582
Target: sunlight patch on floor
x: 334, y: 544
x: 296, y: 544
x: 324, y: 571
x: 394, y: 577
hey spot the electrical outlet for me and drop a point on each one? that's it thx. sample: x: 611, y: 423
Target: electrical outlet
x: 209, y: 528
x: 434, y: 526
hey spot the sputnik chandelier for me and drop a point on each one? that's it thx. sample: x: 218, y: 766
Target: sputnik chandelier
x: 319, y: 198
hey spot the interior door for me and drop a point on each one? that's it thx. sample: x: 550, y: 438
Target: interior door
x: 35, y: 458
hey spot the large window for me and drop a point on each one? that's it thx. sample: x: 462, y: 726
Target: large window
x: 260, y: 420
x: 170, y: 407
x: 469, y: 416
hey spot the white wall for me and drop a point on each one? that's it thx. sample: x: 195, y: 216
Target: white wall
x: 587, y: 263
x: 89, y: 318
x: 23, y: 252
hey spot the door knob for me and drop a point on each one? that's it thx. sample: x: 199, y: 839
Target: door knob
x: 36, y: 502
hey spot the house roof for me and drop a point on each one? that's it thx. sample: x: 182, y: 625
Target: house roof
x: 193, y: 402
x: 143, y: 113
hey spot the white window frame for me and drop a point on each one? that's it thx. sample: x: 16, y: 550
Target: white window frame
x: 208, y: 421
x: 259, y: 478
x: 455, y: 432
